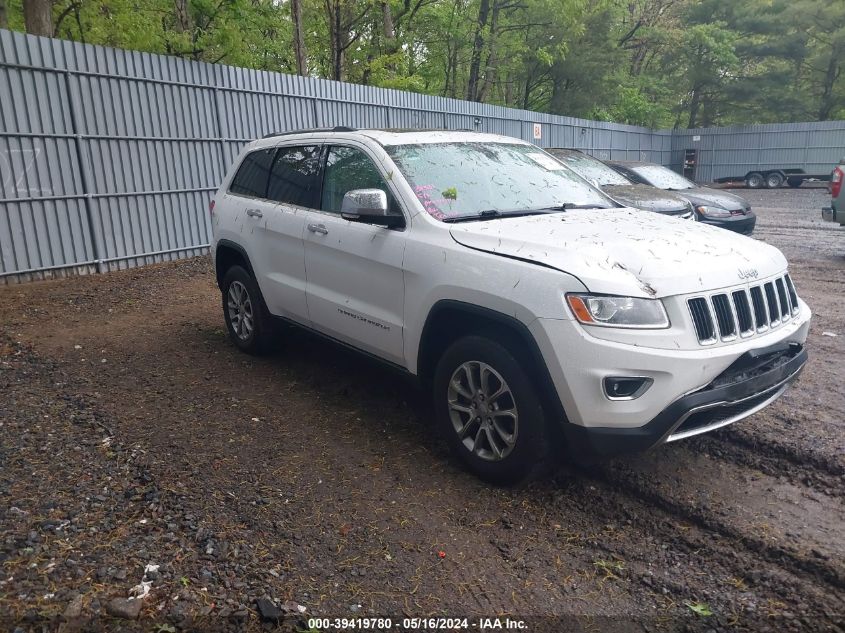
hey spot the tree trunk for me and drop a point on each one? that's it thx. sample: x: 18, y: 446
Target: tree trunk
x: 492, y: 58
x: 183, y: 16
x: 694, y: 107
x: 38, y: 17
x: 830, y: 77
x: 390, y: 44
x: 4, y: 18
x: 337, y: 37
x: 477, y: 49
x: 299, y: 38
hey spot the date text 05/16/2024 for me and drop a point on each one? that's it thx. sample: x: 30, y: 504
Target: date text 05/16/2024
x: 417, y: 624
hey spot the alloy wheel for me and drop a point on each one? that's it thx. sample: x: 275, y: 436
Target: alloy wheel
x: 240, y: 310
x: 483, y: 410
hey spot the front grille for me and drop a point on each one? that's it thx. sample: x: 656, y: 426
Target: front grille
x: 784, y: 302
x: 761, y: 317
x: 724, y: 316
x: 793, y: 297
x: 743, y: 312
x: 772, y: 302
x: 702, y: 320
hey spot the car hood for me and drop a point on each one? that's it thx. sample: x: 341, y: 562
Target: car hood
x: 647, y: 198
x: 706, y: 196
x: 627, y: 252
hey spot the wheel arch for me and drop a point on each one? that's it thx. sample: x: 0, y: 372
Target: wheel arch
x: 449, y: 319
x: 228, y: 254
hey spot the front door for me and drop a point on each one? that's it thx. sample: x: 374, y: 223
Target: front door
x: 355, y: 284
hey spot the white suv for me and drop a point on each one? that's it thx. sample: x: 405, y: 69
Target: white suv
x: 530, y: 305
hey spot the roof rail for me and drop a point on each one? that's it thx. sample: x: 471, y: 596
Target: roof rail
x: 337, y: 128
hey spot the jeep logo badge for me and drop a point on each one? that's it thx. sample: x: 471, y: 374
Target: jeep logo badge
x: 748, y: 273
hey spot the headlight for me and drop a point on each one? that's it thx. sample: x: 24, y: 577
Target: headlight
x: 713, y: 212
x: 625, y: 312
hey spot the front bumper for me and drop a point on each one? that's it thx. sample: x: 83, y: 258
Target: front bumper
x: 739, y: 223
x: 752, y: 382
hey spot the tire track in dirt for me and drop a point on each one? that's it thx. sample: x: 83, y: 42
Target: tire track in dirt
x: 703, y: 498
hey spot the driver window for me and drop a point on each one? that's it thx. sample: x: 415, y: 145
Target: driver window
x: 348, y: 168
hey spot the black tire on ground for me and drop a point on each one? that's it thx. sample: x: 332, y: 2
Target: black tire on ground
x: 754, y: 180
x: 529, y: 430
x: 252, y: 333
x: 774, y: 180
x: 794, y: 182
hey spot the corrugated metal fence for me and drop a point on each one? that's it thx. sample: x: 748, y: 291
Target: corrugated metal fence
x: 734, y: 151
x: 108, y: 157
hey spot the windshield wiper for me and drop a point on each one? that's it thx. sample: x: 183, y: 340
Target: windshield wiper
x: 572, y: 205
x: 489, y: 214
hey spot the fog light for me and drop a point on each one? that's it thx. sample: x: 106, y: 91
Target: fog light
x: 626, y: 387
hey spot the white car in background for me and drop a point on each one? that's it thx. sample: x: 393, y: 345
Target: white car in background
x: 528, y: 304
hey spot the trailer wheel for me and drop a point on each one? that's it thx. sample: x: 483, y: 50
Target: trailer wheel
x: 795, y: 182
x: 774, y: 180
x: 754, y: 180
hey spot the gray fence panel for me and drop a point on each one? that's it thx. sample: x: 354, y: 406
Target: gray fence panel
x: 734, y: 151
x: 108, y: 158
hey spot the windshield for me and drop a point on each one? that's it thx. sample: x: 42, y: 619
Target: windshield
x: 592, y: 169
x: 458, y: 180
x: 662, y: 177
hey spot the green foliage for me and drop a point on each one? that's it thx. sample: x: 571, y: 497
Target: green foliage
x: 657, y: 63
x: 700, y: 608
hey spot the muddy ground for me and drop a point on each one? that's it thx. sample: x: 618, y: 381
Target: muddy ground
x: 133, y: 433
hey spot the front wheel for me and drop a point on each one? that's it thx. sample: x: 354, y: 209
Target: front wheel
x: 246, y: 317
x: 488, y: 411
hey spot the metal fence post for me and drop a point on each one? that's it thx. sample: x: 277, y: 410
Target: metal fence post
x: 84, y: 180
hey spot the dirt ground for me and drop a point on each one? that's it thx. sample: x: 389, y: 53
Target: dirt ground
x: 133, y: 433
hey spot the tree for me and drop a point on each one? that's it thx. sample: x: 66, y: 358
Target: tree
x: 299, y: 37
x: 38, y: 17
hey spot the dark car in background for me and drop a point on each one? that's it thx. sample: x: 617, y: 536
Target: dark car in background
x: 712, y: 206
x: 620, y: 188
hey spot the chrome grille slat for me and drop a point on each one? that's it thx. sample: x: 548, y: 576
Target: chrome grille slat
x: 743, y: 312
x: 793, y: 296
x: 771, y: 304
x: 785, y: 308
x: 761, y: 314
x: 744, y: 316
x: 724, y: 316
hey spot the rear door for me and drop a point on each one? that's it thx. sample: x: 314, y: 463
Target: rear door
x: 293, y: 187
x: 356, y: 289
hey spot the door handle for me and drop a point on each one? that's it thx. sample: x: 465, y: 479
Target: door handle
x: 318, y: 228
x: 254, y: 213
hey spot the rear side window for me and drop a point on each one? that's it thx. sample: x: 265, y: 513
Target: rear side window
x: 294, y: 176
x: 253, y: 174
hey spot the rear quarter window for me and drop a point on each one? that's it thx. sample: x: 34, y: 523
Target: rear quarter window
x: 254, y: 173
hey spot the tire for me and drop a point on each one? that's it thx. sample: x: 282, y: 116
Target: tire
x: 246, y: 316
x: 794, y: 182
x: 774, y: 180
x: 484, y: 448
x: 754, y: 180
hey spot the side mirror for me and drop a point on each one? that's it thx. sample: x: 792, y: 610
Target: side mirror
x: 369, y: 206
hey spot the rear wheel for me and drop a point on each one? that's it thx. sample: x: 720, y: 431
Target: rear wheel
x: 773, y: 181
x: 754, y: 180
x: 489, y: 411
x: 794, y: 182
x: 246, y: 316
